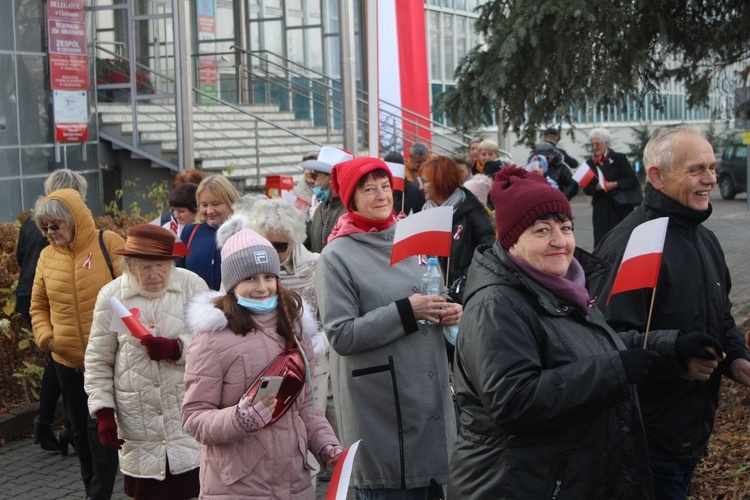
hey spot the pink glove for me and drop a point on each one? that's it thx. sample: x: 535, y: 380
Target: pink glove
x: 252, y: 418
x: 161, y: 348
x: 329, y: 455
x: 107, y: 428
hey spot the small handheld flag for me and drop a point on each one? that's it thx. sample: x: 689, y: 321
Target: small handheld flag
x: 342, y: 473
x: 427, y: 232
x: 584, y: 175
x: 124, y: 321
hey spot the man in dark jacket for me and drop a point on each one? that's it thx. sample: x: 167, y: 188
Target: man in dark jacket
x: 692, y: 295
x: 557, y: 170
x: 552, y: 136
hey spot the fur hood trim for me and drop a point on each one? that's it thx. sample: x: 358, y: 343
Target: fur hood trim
x: 230, y: 227
x: 202, y: 316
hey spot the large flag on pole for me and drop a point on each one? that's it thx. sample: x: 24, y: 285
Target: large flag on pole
x: 642, y: 259
x: 427, y: 232
x: 398, y: 172
x: 124, y: 321
x: 342, y: 473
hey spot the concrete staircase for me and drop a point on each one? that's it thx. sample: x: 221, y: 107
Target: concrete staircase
x: 226, y: 140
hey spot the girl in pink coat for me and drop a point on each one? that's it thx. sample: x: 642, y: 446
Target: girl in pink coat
x: 241, y: 332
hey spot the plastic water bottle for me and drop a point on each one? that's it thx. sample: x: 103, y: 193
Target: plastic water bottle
x: 432, y: 281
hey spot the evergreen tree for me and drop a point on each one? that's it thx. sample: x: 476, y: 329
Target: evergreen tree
x: 542, y: 59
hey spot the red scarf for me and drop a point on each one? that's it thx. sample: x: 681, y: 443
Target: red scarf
x: 368, y: 225
x: 599, y: 160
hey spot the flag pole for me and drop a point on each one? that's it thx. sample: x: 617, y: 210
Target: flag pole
x: 447, y: 270
x: 403, y: 198
x: 648, y: 321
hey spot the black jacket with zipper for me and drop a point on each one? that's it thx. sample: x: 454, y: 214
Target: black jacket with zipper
x: 545, y: 407
x: 692, y: 294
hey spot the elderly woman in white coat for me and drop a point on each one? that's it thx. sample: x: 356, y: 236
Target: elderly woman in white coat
x: 136, y: 387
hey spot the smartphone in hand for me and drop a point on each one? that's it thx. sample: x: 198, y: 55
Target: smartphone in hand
x: 268, y: 385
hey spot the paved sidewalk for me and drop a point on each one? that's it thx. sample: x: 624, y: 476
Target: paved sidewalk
x: 26, y: 472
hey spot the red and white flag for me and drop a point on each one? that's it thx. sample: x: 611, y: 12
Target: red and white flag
x: 124, y: 321
x: 342, y: 473
x: 602, y: 179
x: 427, y: 232
x: 585, y: 174
x: 642, y: 259
x: 398, y: 173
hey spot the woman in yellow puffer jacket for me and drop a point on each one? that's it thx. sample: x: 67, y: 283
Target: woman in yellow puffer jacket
x: 69, y: 274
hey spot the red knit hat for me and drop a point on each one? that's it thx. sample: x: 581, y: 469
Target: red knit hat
x: 520, y: 198
x: 346, y: 175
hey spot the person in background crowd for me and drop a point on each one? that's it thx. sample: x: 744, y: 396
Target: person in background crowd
x: 191, y: 175
x: 413, y: 197
x: 556, y: 169
x: 618, y: 174
x: 31, y: 242
x: 78, y: 262
x: 471, y: 224
x: 239, y: 334
x: 545, y: 389
x: 464, y: 165
x: 552, y: 136
x: 215, y: 196
x: 692, y: 295
x: 135, y: 387
x: 488, y: 151
x: 418, y: 154
x: 370, y: 313
x: 474, y: 162
x: 329, y: 207
x: 184, y: 206
x: 304, y: 188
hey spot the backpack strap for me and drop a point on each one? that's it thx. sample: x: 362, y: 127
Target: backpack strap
x: 106, y: 255
x: 192, y: 235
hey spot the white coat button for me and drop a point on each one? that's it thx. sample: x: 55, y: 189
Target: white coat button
x: 164, y: 442
x: 162, y: 473
x: 159, y: 412
x: 156, y: 384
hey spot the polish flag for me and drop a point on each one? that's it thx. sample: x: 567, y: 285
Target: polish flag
x: 602, y: 179
x: 584, y: 175
x: 342, y: 473
x: 397, y: 171
x: 427, y: 232
x: 124, y: 321
x: 642, y: 259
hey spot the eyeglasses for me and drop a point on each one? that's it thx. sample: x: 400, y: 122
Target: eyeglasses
x: 280, y: 246
x: 51, y: 227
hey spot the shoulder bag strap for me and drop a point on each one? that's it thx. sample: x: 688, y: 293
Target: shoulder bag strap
x: 106, y: 255
x: 192, y: 235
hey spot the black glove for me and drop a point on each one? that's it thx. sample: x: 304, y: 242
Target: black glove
x: 636, y: 363
x: 693, y: 345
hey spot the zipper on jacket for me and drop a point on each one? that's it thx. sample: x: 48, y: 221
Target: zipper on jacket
x: 558, y: 488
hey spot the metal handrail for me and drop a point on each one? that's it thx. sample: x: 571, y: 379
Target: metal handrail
x: 363, y: 100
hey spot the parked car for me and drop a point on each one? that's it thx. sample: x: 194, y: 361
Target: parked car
x: 732, y: 170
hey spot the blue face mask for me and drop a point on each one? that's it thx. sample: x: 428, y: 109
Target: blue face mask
x: 322, y: 194
x: 258, y: 306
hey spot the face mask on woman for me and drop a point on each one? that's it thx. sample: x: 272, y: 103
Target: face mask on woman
x: 258, y: 306
x: 322, y: 194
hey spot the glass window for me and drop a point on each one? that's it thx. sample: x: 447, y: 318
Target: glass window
x: 31, y: 34
x: 434, y: 41
x: 296, y: 46
x: 39, y: 160
x: 8, y: 99
x: 9, y: 163
x: 34, y: 100
x: 6, y: 30
x: 449, y: 62
x: 10, y: 200
x: 333, y: 62
x: 315, y: 49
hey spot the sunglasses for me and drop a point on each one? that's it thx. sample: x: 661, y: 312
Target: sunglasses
x: 51, y: 227
x: 280, y: 246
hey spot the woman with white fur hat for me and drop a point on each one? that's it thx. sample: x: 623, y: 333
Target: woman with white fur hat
x: 246, y: 453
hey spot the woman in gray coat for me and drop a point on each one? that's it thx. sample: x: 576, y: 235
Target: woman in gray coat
x: 369, y: 311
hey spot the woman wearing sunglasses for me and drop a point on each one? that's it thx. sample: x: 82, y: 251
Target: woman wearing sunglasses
x: 69, y: 274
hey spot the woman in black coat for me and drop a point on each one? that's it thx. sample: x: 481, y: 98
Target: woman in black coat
x: 618, y: 174
x: 441, y: 182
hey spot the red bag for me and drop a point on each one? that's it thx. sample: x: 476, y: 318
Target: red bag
x: 290, y: 364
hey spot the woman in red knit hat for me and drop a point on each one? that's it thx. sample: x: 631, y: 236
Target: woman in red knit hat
x: 370, y: 312
x: 546, y: 390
